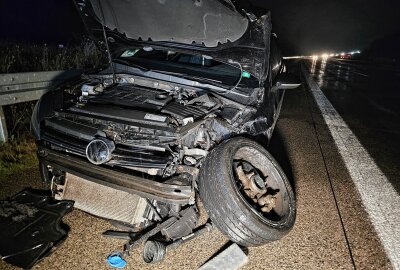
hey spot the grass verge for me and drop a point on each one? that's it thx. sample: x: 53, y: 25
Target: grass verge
x: 16, y: 156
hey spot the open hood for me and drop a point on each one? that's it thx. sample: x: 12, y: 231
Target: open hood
x: 207, y: 27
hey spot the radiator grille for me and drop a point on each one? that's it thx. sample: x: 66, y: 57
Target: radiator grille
x: 103, y: 201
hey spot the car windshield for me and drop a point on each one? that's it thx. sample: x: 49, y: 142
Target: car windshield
x: 190, y: 65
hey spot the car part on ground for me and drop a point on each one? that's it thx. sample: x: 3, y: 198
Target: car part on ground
x: 154, y: 251
x: 122, y: 235
x: 30, y: 227
x: 185, y: 223
x: 246, y: 193
x: 177, y: 226
x: 231, y: 258
x: 169, y: 234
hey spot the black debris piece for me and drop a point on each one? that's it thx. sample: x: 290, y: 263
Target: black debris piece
x: 30, y: 226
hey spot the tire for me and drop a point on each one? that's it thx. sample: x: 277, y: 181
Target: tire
x: 227, y: 206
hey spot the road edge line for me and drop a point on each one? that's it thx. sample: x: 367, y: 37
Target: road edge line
x: 379, y: 198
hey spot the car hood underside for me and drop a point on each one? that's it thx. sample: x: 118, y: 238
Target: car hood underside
x: 212, y: 28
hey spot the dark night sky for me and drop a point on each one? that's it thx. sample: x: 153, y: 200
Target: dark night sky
x: 39, y: 20
x: 307, y: 26
x: 315, y: 26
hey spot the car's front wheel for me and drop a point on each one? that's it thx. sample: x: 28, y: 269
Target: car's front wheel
x: 246, y: 193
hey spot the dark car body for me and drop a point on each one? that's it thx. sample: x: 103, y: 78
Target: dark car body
x: 146, y: 124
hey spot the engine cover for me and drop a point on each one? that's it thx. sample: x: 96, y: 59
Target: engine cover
x: 133, y: 97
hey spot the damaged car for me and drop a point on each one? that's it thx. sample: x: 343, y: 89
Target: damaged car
x: 184, y: 110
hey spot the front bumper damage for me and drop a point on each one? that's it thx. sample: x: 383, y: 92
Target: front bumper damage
x: 134, y: 184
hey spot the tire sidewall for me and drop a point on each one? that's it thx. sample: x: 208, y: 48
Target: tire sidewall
x: 247, y: 215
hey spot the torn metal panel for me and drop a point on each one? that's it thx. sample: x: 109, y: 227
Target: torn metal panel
x: 30, y: 226
x: 256, y: 127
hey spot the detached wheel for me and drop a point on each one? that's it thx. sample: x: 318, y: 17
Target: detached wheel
x: 246, y: 193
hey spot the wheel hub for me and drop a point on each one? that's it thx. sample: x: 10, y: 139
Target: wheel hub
x: 255, y: 187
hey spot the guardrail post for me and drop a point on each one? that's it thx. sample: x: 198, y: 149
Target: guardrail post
x: 3, y: 126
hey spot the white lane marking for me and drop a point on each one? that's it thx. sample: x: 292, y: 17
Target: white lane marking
x: 380, y: 199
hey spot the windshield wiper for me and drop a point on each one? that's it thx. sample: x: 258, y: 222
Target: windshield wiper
x: 176, y: 74
x: 201, y: 80
x: 187, y: 76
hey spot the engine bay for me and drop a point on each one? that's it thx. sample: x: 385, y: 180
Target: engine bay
x: 149, y: 130
x: 144, y: 136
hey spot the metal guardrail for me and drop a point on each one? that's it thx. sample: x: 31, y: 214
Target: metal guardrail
x: 28, y: 86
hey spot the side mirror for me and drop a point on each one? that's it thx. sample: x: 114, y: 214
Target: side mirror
x: 287, y: 81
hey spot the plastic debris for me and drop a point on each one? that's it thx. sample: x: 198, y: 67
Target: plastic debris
x: 116, y: 260
x: 231, y: 258
x: 31, y: 226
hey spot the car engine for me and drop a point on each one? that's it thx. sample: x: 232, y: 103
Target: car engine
x: 150, y: 130
x: 162, y: 132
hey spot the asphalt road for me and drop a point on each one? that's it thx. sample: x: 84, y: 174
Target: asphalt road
x: 367, y: 97
x: 334, y: 229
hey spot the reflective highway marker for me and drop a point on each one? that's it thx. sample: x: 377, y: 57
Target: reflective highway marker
x: 380, y: 199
